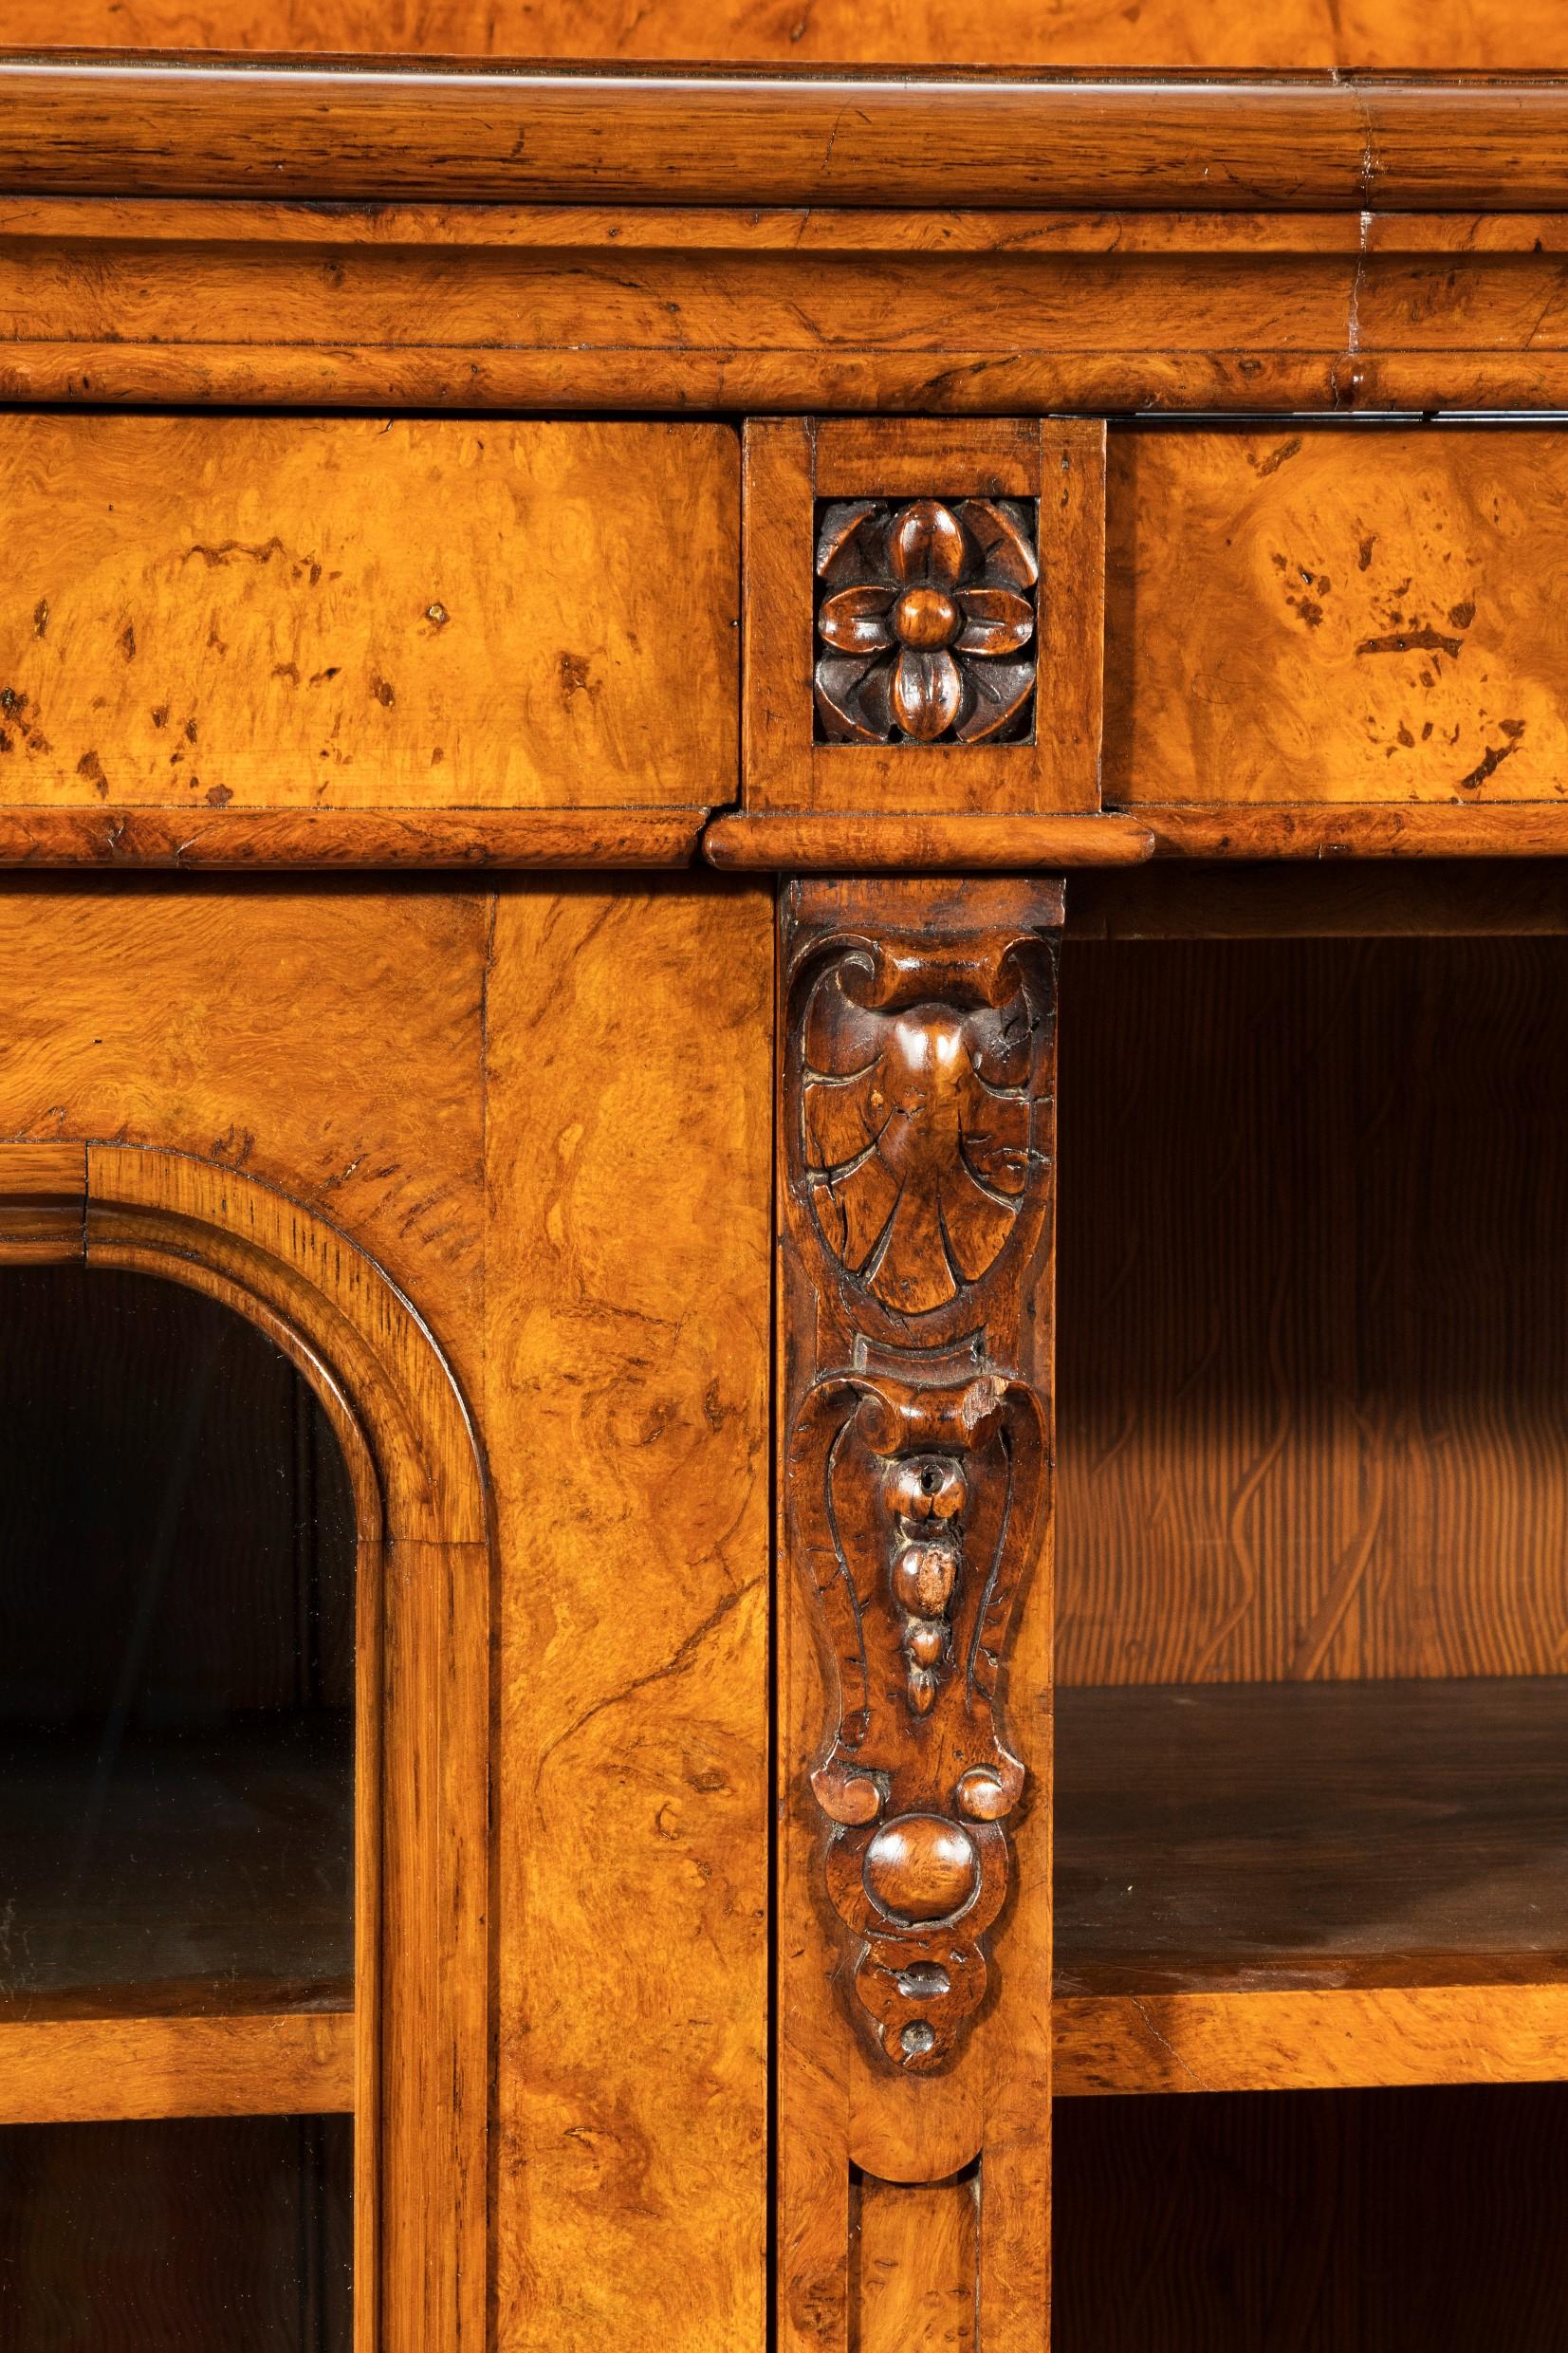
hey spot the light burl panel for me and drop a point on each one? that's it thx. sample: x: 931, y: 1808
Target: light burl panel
x: 628, y: 1149
x: 349, y: 613
x: 1336, y: 616
x: 1490, y: 35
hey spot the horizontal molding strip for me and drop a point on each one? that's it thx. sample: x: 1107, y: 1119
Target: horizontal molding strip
x: 345, y: 840
x: 172, y: 125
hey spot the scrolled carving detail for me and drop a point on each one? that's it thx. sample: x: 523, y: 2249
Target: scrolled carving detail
x: 925, y: 619
x: 919, y: 1177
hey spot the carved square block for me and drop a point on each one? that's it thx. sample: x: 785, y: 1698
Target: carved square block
x: 925, y: 620
x: 924, y: 615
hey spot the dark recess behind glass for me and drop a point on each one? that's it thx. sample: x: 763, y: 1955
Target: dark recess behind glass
x: 177, y: 1656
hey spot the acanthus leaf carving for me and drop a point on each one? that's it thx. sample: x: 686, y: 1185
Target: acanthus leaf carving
x: 918, y: 1178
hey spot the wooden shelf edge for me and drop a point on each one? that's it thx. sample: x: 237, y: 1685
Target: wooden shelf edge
x: 168, y: 124
x: 1344, y: 2039
x: 767, y: 841
x: 100, y: 2070
x: 347, y: 841
x: 1405, y: 829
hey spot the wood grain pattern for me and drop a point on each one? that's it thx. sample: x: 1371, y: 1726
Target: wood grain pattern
x: 422, y: 2009
x: 767, y: 310
x: 934, y: 951
x: 258, y: 1027
x: 336, y: 841
x: 627, y: 1154
x: 1265, y: 1836
x: 1492, y: 36
x: 180, y: 126
x: 912, y: 2264
x: 1313, y: 1299
x: 1500, y: 828
x: 1383, y: 2222
x: 1298, y: 616
x: 1337, y: 2038
x: 422, y: 1769
x: 794, y: 754
x: 80, y: 2070
x: 254, y: 612
x: 799, y: 842
x: 1065, y: 32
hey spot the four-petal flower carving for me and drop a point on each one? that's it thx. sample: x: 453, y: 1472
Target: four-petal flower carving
x: 925, y: 612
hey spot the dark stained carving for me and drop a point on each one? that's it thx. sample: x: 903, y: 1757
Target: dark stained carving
x: 918, y: 1178
x: 925, y: 620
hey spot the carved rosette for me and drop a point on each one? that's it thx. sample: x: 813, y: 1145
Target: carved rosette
x: 919, y: 1183
x: 925, y: 620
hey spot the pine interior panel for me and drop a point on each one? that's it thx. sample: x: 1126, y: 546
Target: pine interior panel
x: 1336, y: 617
x: 1342, y: 2222
x: 1314, y: 1484
x: 286, y: 612
x: 1313, y: 1310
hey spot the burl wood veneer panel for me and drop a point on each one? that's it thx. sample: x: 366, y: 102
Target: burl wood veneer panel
x: 1496, y: 35
x: 350, y: 613
x: 325, y: 1039
x: 1313, y: 1310
x: 1324, y: 615
x: 629, y: 1083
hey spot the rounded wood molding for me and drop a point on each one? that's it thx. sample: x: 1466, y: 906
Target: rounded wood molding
x: 389, y: 1392
x: 120, y: 125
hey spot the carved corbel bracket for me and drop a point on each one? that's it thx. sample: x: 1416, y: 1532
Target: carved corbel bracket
x: 918, y: 1178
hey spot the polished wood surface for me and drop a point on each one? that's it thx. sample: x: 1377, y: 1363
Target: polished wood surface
x: 802, y: 842
x: 246, y: 612
x: 1510, y: 829
x: 1400, y: 36
x: 942, y: 311
x: 1312, y: 1301
x: 490, y: 1157
x: 1342, y: 2038
x: 912, y: 2264
x: 291, y: 1006
x: 1387, y: 2222
x: 291, y: 2063
x: 339, y: 841
x: 1298, y: 616
x: 1261, y: 1886
x: 182, y: 126
x: 1032, y: 491
x: 627, y: 1081
x: 421, y: 2007
x: 1261, y: 1837
x: 916, y: 1119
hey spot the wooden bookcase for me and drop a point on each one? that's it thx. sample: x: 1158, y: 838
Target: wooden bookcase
x: 784, y: 1323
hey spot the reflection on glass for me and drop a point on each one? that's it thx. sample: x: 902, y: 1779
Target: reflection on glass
x: 231, y: 2236
x: 177, y: 1658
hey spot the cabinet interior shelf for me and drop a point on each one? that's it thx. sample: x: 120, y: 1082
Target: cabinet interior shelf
x: 178, y: 1922
x: 1281, y: 1886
